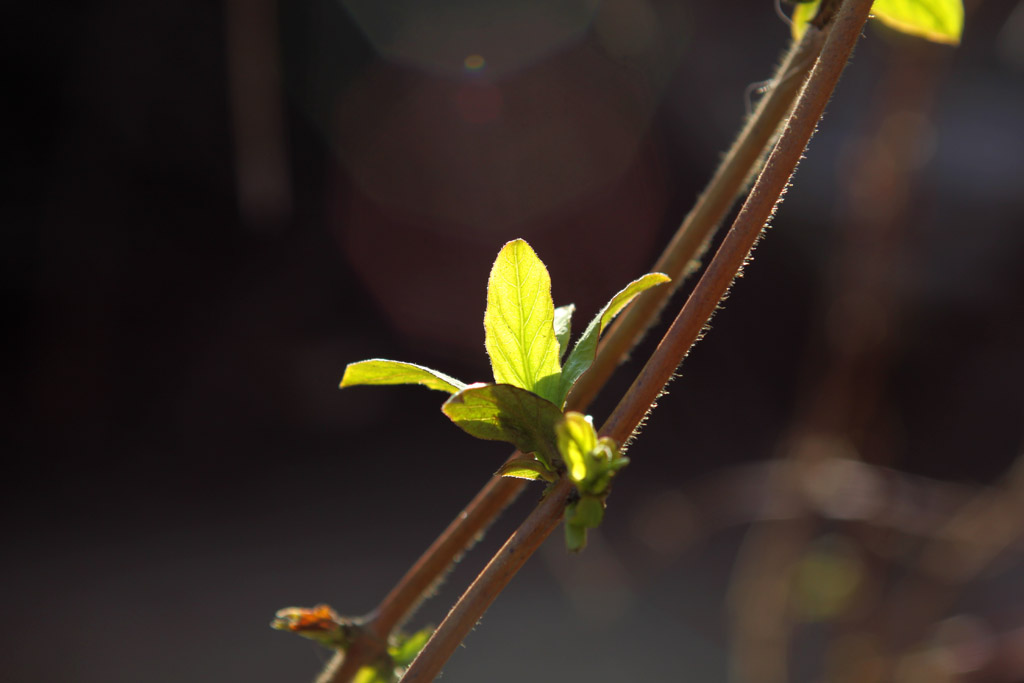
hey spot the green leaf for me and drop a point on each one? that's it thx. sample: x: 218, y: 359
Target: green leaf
x: 408, y: 647
x: 519, y: 322
x: 563, y: 326
x: 802, y: 15
x: 940, y: 21
x: 588, y: 513
x: 502, y: 412
x: 380, y: 371
x: 370, y: 674
x: 575, y: 437
x: 575, y: 535
x: 582, y: 355
x: 526, y: 468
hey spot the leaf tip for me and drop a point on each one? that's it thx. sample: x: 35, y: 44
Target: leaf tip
x: 346, y: 377
x: 517, y: 243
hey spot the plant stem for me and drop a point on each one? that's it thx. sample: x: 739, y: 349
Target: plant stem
x: 689, y: 241
x: 489, y: 583
x: 680, y: 257
x: 757, y: 210
x: 428, y: 570
x: 684, y: 332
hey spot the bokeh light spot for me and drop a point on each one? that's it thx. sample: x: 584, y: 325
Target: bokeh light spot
x: 474, y: 63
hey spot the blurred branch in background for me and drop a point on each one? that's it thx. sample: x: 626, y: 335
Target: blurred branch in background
x: 257, y: 112
x: 834, y: 548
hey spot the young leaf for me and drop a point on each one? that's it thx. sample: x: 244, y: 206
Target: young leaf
x: 407, y: 647
x: 575, y: 438
x: 802, y: 15
x: 582, y: 355
x: 519, y: 321
x: 372, y: 674
x: 320, y: 623
x: 940, y: 21
x: 563, y: 327
x: 588, y: 513
x: 380, y: 371
x: 575, y: 534
x: 502, y: 412
x: 526, y: 468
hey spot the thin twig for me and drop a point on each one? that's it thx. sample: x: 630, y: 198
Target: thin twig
x: 689, y: 241
x: 430, y: 568
x: 747, y: 228
x: 674, y: 346
x: 489, y: 583
x: 680, y: 257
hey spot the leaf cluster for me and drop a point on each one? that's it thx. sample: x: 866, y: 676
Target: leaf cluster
x: 591, y: 462
x: 527, y: 340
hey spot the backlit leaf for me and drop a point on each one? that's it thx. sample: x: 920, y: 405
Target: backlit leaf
x: 519, y: 322
x: 380, y: 371
x: 940, y: 21
x: 502, y: 412
x: 576, y: 438
x: 582, y: 355
x: 371, y: 674
x: 802, y: 15
x: 526, y: 468
x: 408, y: 647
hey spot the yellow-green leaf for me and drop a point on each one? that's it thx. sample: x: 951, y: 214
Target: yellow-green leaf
x: 575, y: 437
x: 519, y: 322
x: 372, y: 674
x: 379, y: 371
x: 406, y: 648
x: 526, y: 468
x: 940, y: 21
x: 802, y: 15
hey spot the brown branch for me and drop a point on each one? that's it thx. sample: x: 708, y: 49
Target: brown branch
x: 746, y: 229
x: 489, y: 583
x: 428, y: 570
x: 680, y: 257
x: 690, y: 239
x: 674, y: 346
x: 687, y: 244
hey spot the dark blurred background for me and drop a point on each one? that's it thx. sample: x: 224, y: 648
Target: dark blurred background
x: 211, y: 208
